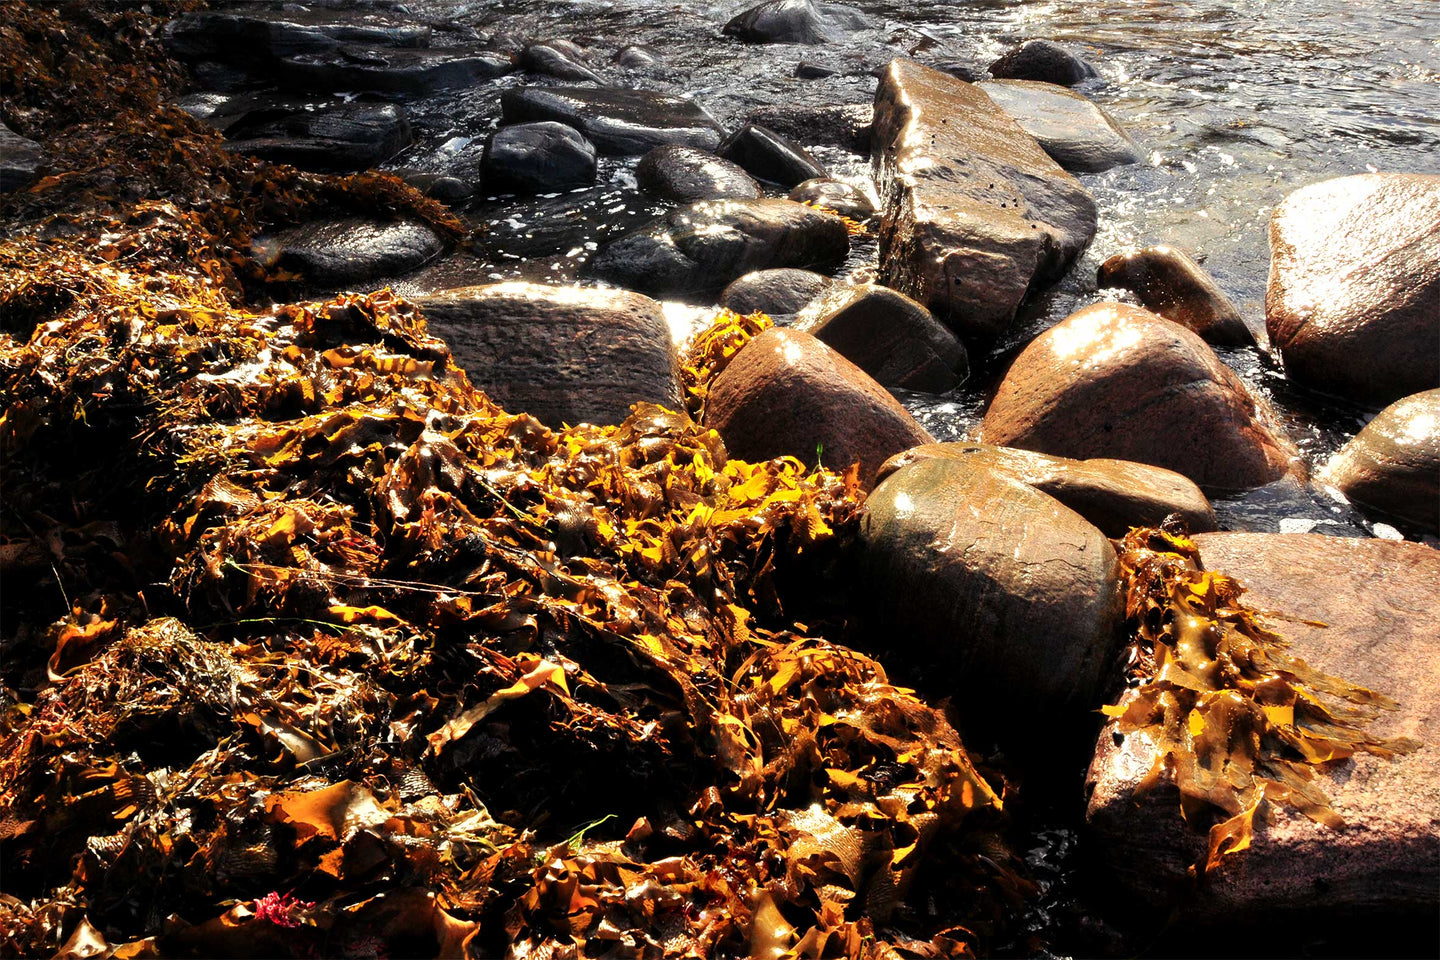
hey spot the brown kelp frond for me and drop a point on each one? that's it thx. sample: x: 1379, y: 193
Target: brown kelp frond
x: 1236, y: 720
x: 708, y: 352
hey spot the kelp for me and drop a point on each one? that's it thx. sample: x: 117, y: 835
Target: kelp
x: 709, y: 351
x: 1237, y: 722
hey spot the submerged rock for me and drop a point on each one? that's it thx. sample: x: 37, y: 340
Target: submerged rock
x: 352, y: 250
x: 779, y: 292
x: 328, y: 137
x: 562, y: 354
x: 617, y: 120
x: 1171, y: 284
x: 389, y: 70
x: 1353, y: 303
x: 836, y: 196
x: 836, y: 125
x: 20, y: 159
x: 538, y: 158
x: 636, y: 58
x: 974, y: 214
x: 1393, y: 465
x: 685, y: 175
x: 787, y: 394
x: 888, y: 335
x: 548, y: 59
x: 770, y: 156
x: 250, y: 34
x: 1119, y: 382
x: 1114, y: 495
x: 1076, y: 132
x: 439, y: 186
x: 796, y: 21
x: 1043, y: 61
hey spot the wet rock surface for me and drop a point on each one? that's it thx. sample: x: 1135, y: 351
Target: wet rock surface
x: 836, y: 196
x: 888, y: 335
x: 1353, y: 304
x: 1114, y: 495
x: 1119, y: 382
x: 1378, y: 599
x: 20, y: 159
x: 548, y: 59
x: 770, y: 156
x: 795, y: 21
x: 538, y: 157
x: 1393, y: 465
x: 685, y: 175
x: 617, y: 120
x: 974, y: 212
x: 1077, y: 133
x: 846, y: 126
x: 1169, y: 282
x: 780, y: 292
x: 350, y: 250
x: 327, y: 137
x: 1043, y: 61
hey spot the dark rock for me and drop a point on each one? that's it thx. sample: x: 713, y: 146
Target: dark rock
x: 544, y: 58
x: 617, y: 121
x: 20, y: 160
x: 769, y: 156
x: 1043, y: 61
x: 1115, y: 495
x: 1169, y: 283
x: 352, y: 250
x: 888, y: 335
x: 331, y: 137
x: 810, y: 70
x: 204, y: 105
x: 795, y: 21
x: 562, y: 354
x: 959, y: 69
x: 1353, y: 304
x: 1393, y: 465
x: 1116, y: 381
x: 538, y: 158
x: 833, y: 125
x: 391, y: 70
x: 1378, y: 599
x: 636, y: 58
x: 1011, y: 596
x: 1077, y: 133
x: 780, y: 292
x: 437, y: 186
x: 787, y: 394
x: 974, y: 213
x: 685, y: 174
x: 247, y: 34
x: 837, y: 196
x: 701, y: 247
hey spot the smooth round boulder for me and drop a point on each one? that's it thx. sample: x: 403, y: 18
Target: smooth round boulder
x: 780, y: 292
x: 787, y: 394
x: 1077, y: 133
x: 1169, y: 283
x: 1353, y: 304
x: 686, y: 174
x: 438, y: 186
x: 1043, y: 61
x: 1393, y: 465
x: 352, y: 250
x: 795, y: 21
x: 770, y: 156
x: 837, y: 196
x: 538, y: 158
x: 888, y: 335
x: 1006, y: 596
x: 1120, y: 382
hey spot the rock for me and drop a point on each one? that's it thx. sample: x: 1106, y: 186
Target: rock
x: 1077, y: 133
x: 538, y: 158
x: 618, y: 121
x: 388, y: 70
x: 795, y: 21
x: 562, y: 354
x: 1378, y: 598
x: 1115, y: 495
x: 1116, y: 381
x: 780, y: 292
x: 438, y: 186
x: 1009, y: 599
x: 702, y: 247
x: 787, y: 394
x: 888, y: 335
x: 1353, y: 304
x: 960, y: 69
x: 352, y: 250
x: 1043, y: 61
x: 836, y: 196
x: 810, y: 70
x: 545, y: 58
x: 1393, y: 465
x: 833, y: 125
x: 974, y: 213
x: 685, y: 174
x: 204, y: 105
x: 248, y: 35
x: 329, y: 137
x: 769, y: 156
x: 1169, y: 283
x: 636, y: 58
x: 20, y: 160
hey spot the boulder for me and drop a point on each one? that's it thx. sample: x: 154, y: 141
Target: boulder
x: 1353, y: 303
x: 1116, y: 381
x: 1115, y: 495
x: 538, y: 158
x: 1168, y: 282
x: 813, y: 70
x: 388, y: 70
x: 1077, y: 133
x: 702, y: 247
x: 780, y: 292
x: 636, y: 58
x: 20, y: 159
x: 795, y: 21
x: 888, y: 335
x: 250, y: 34
x: 1393, y: 465
x: 770, y: 156
x: 618, y: 121
x: 685, y: 175
x: 546, y: 58
x: 846, y: 126
x: 974, y: 214
x: 352, y: 250
x: 1378, y: 598
x: 1009, y: 600
x: 328, y: 137
x: 562, y: 354
x: 437, y: 186
x: 787, y: 394
x: 1043, y: 61
x: 837, y: 196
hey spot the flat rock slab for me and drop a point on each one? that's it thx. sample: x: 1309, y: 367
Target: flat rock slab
x: 561, y: 354
x: 1378, y: 598
x: 888, y: 335
x: 1353, y: 303
x: 328, y: 137
x: 1393, y: 465
x: 243, y: 35
x: 390, y: 70
x: 618, y: 121
x: 1069, y: 126
x: 973, y: 212
x: 352, y: 250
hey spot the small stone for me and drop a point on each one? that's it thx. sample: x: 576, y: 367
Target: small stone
x: 545, y: 58
x: 1043, y: 61
x: 1168, y: 282
x: 837, y: 196
x: 538, y: 158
